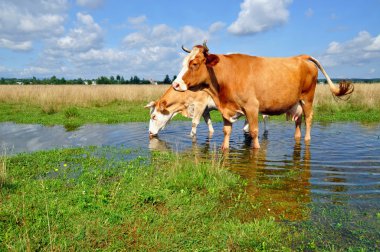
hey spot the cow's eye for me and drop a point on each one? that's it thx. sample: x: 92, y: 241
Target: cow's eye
x: 153, y: 117
x: 194, y: 66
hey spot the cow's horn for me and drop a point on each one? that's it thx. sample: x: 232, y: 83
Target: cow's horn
x: 205, y: 46
x: 185, y: 49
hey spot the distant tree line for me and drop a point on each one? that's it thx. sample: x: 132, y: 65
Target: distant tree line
x: 118, y: 79
x: 353, y: 80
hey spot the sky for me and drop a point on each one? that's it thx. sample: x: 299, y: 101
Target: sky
x: 92, y: 38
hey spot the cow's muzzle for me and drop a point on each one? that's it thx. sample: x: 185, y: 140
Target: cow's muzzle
x: 151, y: 135
x: 177, y: 86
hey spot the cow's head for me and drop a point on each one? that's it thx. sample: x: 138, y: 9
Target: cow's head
x: 159, y: 116
x: 194, y: 68
x: 162, y: 111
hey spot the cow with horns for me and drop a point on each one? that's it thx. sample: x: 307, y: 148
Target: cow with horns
x: 248, y: 85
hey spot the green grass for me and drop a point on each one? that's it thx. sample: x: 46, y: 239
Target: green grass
x: 116, y: 112
x: 111, y: 199
x: 122, y: 112
x: 84, y: 199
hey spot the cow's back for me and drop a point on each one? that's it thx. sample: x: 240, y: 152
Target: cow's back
x: 275, y: 84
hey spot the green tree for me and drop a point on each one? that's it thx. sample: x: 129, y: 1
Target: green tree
x: 167, y: 80
x: 103, y: 80
x: 135, y: 80
x: 53, y: 80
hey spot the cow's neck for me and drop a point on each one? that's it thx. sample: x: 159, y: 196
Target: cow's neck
x: 230, y: 111
x: 213, y: 89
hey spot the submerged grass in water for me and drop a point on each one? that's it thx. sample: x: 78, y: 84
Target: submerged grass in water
x: 99, y: 198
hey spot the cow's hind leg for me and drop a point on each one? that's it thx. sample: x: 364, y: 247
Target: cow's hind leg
x: 198, y: 111
x: 206, y: 116
x: 253, y: 120
x: 265, y: 119
x: 308, y: 112
x: 297, y: 133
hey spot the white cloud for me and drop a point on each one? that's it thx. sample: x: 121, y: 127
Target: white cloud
x: 357, y: 51
x: 22, y: 22
x: 260, y: 15
x: 86, y: 35
x: 375, y: 44
x: 137, y: 20
x: 32, y: 71
x: 16, y: 46
x: 149, y: 51
x: 217, y: 26
x: 163, y: 35
x: 334, y: 48
x: 90, y: 3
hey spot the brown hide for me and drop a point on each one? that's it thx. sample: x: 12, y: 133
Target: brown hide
x: 173, y: 101
x: 246, y: 84
x: 271, y: 85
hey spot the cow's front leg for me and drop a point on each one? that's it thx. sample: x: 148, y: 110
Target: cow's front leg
x: 253, y: 120
x: 227, y: 129
x: 206, y: 116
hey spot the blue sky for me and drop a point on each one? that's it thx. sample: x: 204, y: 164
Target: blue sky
x: 91, y: 38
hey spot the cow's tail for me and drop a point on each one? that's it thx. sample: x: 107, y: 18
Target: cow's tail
x: 344, y: 88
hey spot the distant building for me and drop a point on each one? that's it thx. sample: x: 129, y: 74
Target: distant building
x: 85, y: 82
x: 20, y: 83
x: 93, y: 83
x: 153, y: 82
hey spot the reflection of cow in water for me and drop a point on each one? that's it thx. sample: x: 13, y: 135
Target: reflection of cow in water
x: 279, y: 187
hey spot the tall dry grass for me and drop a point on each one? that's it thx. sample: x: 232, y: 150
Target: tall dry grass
x: 364, y: 96
x: 51, y: 98
x: 55, y: 97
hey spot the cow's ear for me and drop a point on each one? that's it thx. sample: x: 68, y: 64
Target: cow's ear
x: 211, y: 60
x: 163, y: 108
x: 162, y: 105
x: 150, y: 104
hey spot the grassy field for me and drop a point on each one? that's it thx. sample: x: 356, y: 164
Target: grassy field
x: 76, y: 105
x: 107, y: 198
x: 110, y: 200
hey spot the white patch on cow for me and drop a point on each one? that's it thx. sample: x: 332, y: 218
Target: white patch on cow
x: 178, y: 83
x: 295, y: 112
x: 159, y: 122
x: 238, y: 114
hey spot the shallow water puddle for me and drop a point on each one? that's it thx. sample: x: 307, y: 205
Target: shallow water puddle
x: 341, y: 164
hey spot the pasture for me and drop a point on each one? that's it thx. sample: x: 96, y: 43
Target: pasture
x: 181, y: 194
x: 77, y: 105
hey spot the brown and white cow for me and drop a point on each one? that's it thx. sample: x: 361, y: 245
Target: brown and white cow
x: 191, y: 104
x: 248, y: 85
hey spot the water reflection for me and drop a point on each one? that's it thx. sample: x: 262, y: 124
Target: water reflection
x: 282, y: 188
x: 341, y: 164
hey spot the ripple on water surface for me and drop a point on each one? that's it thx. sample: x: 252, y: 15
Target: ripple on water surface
x: 340, y: 164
